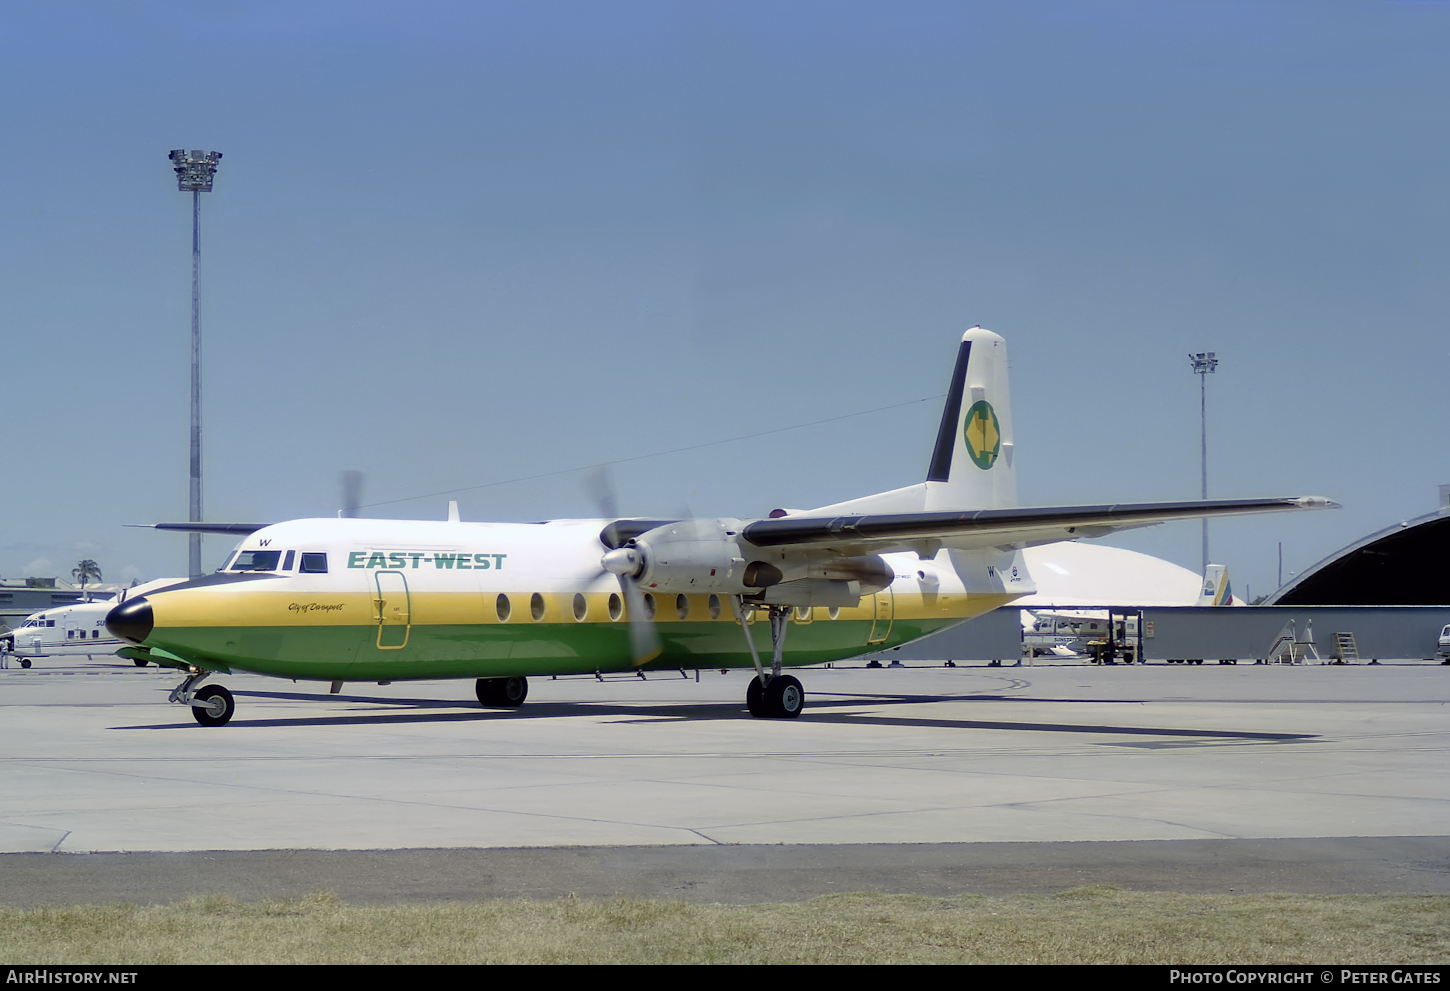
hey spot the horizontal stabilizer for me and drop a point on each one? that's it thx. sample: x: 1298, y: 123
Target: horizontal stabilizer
x: 237, y: 529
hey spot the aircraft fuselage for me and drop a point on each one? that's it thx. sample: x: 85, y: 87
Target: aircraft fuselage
x: 418, y: 599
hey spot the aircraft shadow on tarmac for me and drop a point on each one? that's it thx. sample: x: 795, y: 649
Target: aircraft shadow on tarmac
x: 822, y: 709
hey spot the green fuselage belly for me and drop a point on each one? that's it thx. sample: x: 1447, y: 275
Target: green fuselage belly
x: 351, y: 653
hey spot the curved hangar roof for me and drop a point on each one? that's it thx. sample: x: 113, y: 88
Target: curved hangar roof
x: 1402, y: 565
x: 1073, y: 574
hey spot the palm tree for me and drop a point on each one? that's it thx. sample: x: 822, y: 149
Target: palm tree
x: 85, y: 571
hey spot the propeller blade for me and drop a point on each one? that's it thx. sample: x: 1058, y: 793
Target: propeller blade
x: 598, y: 483
x: 625, y: 563
x: 352, y: 490
x: 644, y: 640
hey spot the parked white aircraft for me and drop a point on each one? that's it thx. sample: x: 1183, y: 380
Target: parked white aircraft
x: 76, y: 630
x: 384, y: 600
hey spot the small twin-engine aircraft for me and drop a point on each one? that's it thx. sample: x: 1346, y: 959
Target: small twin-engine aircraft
x: 385, y: 600
x: 76, y: 630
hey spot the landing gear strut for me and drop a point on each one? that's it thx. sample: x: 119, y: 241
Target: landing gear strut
x: 211, y: 705
x: 771, y: 696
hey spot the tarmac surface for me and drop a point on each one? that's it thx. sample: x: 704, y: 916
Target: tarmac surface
x: 923, y: 779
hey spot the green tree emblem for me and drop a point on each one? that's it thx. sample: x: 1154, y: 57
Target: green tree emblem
x: 982, y: 433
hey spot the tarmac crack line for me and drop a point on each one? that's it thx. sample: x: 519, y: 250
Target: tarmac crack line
x: 282, y: 792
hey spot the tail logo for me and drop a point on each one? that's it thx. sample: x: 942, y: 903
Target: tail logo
x: 982, y: 433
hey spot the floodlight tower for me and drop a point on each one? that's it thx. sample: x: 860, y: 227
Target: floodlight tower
x: 194, y: 174
x: 1203, y: 365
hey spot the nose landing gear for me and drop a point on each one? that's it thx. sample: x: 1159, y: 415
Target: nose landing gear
x: 211, y: 705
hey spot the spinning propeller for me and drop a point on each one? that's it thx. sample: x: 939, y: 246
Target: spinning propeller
x: 625, y: 563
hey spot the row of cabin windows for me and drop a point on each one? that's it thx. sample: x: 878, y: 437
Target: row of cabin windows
x: 504, y: 607
x: 81, y: 634
x: 311, y: 564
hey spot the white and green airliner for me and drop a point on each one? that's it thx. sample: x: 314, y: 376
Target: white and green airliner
x: 353, y: 600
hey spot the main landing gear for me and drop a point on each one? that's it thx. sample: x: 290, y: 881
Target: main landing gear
x: 502, y: 693
x: 211, y: 705
x: 774, y: 695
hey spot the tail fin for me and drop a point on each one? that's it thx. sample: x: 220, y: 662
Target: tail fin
x: 972, y: 464
x: 1216, y: 588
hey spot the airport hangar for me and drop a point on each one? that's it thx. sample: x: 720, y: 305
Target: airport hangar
x: 1390, y: 590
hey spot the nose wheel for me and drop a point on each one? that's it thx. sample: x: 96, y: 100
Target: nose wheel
x: 213, y: 706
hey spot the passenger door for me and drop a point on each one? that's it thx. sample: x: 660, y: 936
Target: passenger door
x: 392, y: 610
x: 885, y: 612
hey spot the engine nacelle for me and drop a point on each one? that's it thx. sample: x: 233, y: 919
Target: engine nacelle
x: 691, y: 556
x: 709, y: 556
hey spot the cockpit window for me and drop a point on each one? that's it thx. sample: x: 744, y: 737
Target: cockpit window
x: 313, y: 564
x: 256, y: 561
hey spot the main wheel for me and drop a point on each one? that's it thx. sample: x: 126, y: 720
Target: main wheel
x: 140, y: 662
x: 755, y: 698
x: 502, y: 693
x: 25, y: 662
x: 219, y: 706
x: 784, y: 698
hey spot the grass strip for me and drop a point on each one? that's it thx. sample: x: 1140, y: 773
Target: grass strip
x: 1084, y: 925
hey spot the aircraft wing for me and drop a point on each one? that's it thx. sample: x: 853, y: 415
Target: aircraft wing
x: 236, y: 529
x: 887, y: 532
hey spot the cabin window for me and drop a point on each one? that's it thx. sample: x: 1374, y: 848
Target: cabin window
x: 682, y: 607
x: 536, y: 606
x: 834, y: 612
x: 714, y: 607
x: 501, y: 605
x: 581, y: 607
x: 256, y: 561
x: 287, y: 561
x: 313, y: 564
x: 649, y: 605
x: 616, y: 607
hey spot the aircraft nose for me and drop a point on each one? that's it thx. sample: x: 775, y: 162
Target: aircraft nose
x: 131, y: 620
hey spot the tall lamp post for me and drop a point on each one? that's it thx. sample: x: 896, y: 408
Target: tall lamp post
x: 1203, y: 365
x: 194, y: 172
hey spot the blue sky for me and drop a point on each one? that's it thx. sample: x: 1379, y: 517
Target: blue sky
x: 457, y: 244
